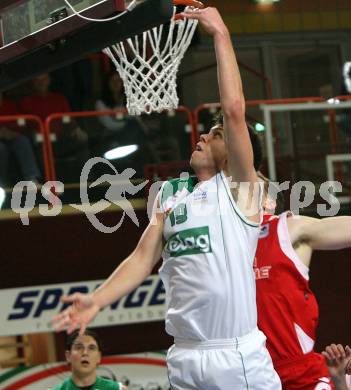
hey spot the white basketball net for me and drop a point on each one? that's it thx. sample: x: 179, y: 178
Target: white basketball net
x: 150, y: 79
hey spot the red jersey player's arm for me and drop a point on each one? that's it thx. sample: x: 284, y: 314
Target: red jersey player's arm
x: 338, y: 360
x: 324, y: 234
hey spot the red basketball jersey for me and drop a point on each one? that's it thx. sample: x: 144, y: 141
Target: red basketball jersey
x: 287, y: 308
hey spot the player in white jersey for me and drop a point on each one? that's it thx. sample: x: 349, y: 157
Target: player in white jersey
x: 210, y: 229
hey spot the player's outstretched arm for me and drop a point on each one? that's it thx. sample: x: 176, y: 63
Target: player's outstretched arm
x: 240, y: 159
x: 240, y: 154
x: 338, y: 360
x: 128, y: 275
x: 330, y: 233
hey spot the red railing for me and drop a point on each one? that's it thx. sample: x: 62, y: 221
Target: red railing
x: 81, y: 114
x: 87, y: 114
x: 40, y: 129
x: 251, y: 103
x: 192, y: 121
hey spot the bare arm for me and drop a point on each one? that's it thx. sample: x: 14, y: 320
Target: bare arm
x: 340, y: 383
x: 136, y: 268
x: 240, y: 155
x: 128, y: 275
x: 238, y: 144
x: 322, y: 234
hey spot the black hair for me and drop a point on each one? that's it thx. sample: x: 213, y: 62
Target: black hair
x: 254, y: 138
x: 72, y: 337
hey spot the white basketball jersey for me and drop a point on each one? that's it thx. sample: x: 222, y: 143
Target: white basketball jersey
x: 208, y: 258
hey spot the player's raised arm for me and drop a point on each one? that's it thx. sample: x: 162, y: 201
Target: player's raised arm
x: 240, y: 155
x: 128, y: 275
x: 321, y: 234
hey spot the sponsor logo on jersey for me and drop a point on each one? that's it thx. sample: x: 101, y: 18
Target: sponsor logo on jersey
x: 189, y: 242
x: 261, y: 272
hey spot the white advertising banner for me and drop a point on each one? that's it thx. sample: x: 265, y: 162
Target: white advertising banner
x: 31, y: 309
x: 145, y: 371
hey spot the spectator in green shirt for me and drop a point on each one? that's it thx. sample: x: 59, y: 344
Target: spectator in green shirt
x: 83, y: 353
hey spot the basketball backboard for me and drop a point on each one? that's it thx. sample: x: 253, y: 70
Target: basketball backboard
x: 20, y: 18
x: 39, y: 36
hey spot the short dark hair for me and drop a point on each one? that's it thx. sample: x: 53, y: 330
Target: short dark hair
x: 254, y: 138
x: 72, y: 338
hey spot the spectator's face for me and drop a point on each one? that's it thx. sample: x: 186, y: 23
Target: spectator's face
x: 84, y: 356
x: 115, y: 83
x: 41, y: 83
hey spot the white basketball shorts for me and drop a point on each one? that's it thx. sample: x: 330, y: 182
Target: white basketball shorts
x: 242, y: 363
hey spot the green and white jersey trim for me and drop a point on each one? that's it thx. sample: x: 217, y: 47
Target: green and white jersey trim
x: 182, y: 187
x: 176, y: 187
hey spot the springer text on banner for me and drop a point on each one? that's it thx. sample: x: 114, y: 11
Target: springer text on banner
x: 30, y: 309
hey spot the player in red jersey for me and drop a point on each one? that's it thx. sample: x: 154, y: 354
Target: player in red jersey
x: 287, y: 308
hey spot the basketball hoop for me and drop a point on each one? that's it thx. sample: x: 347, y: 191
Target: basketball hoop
x: 150, y: 78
